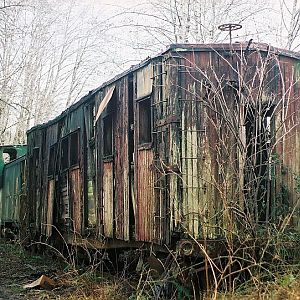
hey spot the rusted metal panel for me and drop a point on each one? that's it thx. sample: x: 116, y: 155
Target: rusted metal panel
x: 108, y: 199
x: 76, y: 198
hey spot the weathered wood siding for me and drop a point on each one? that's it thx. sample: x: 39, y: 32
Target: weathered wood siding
x: 108, y: 199
x: 121, y: 162
x: 145, y: 196
x: 195, y: 175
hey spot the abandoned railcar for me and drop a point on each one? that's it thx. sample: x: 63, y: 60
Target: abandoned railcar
x: 200, y: 142
x: 12, y: 184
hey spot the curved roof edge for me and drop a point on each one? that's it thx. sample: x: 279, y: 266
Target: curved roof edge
x: 238, y: 46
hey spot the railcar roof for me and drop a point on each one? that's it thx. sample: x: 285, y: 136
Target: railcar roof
x: 238, y: 46
x: 12, y: 145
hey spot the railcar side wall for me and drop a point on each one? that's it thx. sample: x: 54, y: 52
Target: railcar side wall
x: 194, y: 143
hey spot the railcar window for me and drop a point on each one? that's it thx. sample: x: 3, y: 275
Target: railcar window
x: 74, y: 149
x: 52, y: 160
x: 144, y: 110
x: 9, y: 155
x: 64, y: 153
x: 107, y: 136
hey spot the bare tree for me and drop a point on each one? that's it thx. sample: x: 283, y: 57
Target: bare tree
x: 51, y: 55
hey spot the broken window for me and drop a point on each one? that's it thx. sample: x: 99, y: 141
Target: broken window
x: 107, y: 136
x: 145, y: 128
x: 52, y: 160
x: 9, y: 154
x: 74, y: 149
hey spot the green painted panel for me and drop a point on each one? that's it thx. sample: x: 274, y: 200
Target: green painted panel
x: 13, y: 188
x: 12, y: 178
x: 13, y: 152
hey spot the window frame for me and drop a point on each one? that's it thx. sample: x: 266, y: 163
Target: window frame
x: 108, y: 118
x: 145, y: 139
x: 52, y: 163
x: 77, y: 160
x: 65, y: 164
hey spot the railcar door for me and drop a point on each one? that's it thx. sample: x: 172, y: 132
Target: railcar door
x: 71, y: 183
x: 144, y: 157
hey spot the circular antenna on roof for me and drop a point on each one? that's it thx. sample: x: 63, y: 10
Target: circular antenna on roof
x: 230, y: 27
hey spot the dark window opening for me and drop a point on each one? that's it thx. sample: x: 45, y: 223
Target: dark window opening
x: 9, y: 155
x: 74, y: 149
x: 145, y: 128
x: 52, y: 160
x: 64, y: 153
x: 107, y: 136
x: 258, y: 169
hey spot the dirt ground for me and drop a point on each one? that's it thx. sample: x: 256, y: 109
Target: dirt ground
x: 18, y: 268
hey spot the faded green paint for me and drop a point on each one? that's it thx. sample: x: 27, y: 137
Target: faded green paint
x: 12, y: 182
x: 14, y: 151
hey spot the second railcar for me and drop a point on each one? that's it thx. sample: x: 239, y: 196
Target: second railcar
x: 13, y: 184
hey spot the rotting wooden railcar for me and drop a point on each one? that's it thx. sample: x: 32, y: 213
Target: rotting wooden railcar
x: 199, y: 143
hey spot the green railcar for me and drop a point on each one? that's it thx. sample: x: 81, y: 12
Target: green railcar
x: 12, y: 189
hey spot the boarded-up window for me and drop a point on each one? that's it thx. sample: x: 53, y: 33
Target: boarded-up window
x: 64, y: 153
x: 107, y: 136
x: 145, y: 128
x: 52, y: 159
x: 74, y: 149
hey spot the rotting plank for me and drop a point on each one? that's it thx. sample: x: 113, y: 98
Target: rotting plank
x: 121, y: 163
x: 75, y: 192
x: 108, y: 199
x: 50, y: 200
x: 145, y: 199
